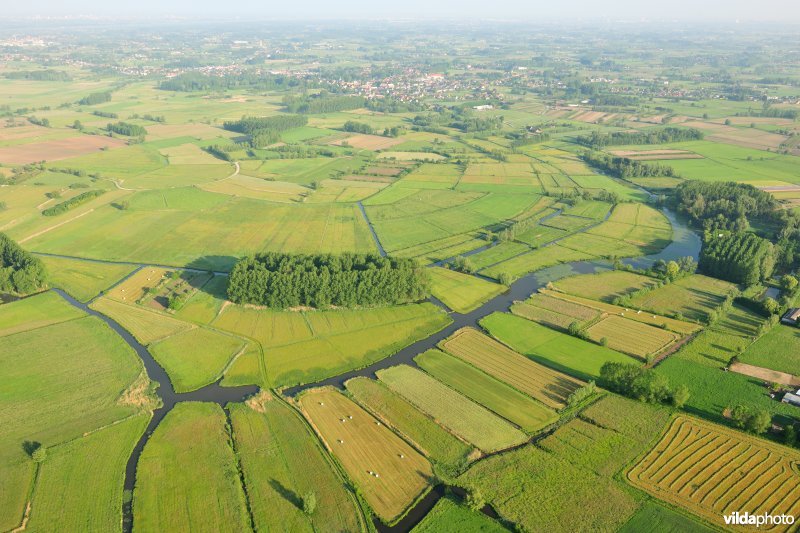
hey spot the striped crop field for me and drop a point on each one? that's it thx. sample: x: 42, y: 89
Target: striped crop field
x: 548, y: 386
x: 713, y: 471
x: 631, y: 337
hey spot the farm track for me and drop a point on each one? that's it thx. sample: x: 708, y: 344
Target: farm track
x: 685, y: 243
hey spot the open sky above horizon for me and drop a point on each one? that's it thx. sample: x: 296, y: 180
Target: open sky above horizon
x: 517, y: 10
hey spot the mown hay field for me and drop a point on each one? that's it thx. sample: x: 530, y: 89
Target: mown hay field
x: 35, y: 312
x: 522, y: 410
x: 194, y: 228
x: 452, y: 410
x: 555, y: 350
x: 83, y: 279
x: 713, y: 471
x: 631, y: 337
x: 693, y: 297
x: 281, y: 456
x: 146, y: 325
x: 678, y: 326
x: 461, y: 292
x: 438, y: 444
x: 187, y: 475
x: 388, y: 471
x: 604, y: 286
x: 196, y: 357
x: 544, y: 384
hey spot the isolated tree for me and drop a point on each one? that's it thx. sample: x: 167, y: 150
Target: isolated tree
x: 790, y: 435
x: 309, y: 503
x: 680, y: 396
x: 475, y: 499
x: 739, y: 415
x: 39, y: 454
x: 759, y: 422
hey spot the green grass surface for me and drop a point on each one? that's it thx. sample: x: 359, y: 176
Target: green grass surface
x: 79, y: 486
x: 693, y: 297
x: 282, y: 462
x: 438, y: 444
x: 778, y: 349
x: 187, y: 476
x: 659, y: 519
x: 452, y: 410
x: 84, y: 280
x: 146, y: 325
x: 35, y: 312
x: 568, y: 483
x: 552, y: 348
x: 449, y: 517
x: 198, y: 232
x: 495, y: 395
x: 196, y: 357
x: 604, y: 286
x: 60, y: 381
x: 461, y: 292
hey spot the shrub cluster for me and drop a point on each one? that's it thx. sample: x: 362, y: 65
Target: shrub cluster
x: 20, y: 272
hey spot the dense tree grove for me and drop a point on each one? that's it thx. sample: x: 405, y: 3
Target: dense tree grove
x: 357, y: 127
x: 38, y: 75
x: 622, y: 167
x: 197, y: 82
x: 96, y: 98
x: 723, y: 205
x: 740, y: 257
x: 283, y: 280
x: 322, y: 103
x: 666, y: 135
x: 277, y: 123
x: 20, y: 272
x: 126, y: 128
x: 75, y: 201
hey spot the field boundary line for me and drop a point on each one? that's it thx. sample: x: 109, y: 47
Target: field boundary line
x: 42, y: 232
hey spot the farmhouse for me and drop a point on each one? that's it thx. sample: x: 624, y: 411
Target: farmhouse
x: 792, y: 399
x: 792, y: 316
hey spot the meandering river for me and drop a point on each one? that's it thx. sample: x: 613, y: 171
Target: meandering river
x: 685, y: 243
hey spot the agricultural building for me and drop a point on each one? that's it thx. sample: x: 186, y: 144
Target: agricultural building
x: 792, y: 316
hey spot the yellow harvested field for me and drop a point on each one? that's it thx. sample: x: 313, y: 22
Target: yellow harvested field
x: 370, y: 142
x: 386, y: 469
x: 713, y: 471
x: 57, y: 149
x: 411, y: 156
x: 746, y: 137
x: 198, y: 131
x: 548, y: 386
x: 631, y: 337
x: 135, y: 286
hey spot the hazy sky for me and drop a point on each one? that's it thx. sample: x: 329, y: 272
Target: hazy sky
x: 717, y: 10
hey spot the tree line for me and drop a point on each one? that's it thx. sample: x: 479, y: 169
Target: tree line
x: 280, y: 280
x: 38, y: 75
x: 665, y: 135
x: 277, y: 123
x: 126, y: 128
x: 20, y: 272
x: 623, y: 168
x: 322, y: 103
x: 96, y: 98
x: 198, y: 82
x: 73, y: 202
